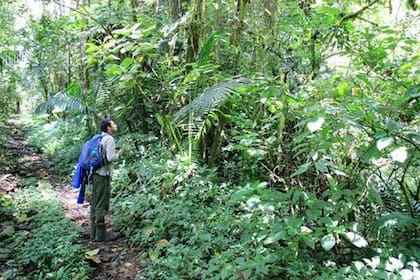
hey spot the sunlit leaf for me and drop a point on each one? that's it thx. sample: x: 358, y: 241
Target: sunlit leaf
x: 373, y: 262
x: 305, y: 230
x: 92, y: 252
x: 153, y: 255
x: 393, y: 264
x: 356, y: 239
x: 80, y: 24
x: 91, y: 48
x: 407, y: 274
x: 399, y: 154
x: 114, y: 70
x: 127, y: 62
x: 328, y: 242
x: 358, y: 265
x: 163, y: 243
x: 281, y: 235
x: 93, y: 255
x: 22, y: 218
x: 384, y: 142
x: 95, y: 259
x: 342, y: 88
x: 316, y: 124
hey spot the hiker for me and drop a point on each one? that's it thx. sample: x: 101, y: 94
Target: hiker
x: 101, y: 182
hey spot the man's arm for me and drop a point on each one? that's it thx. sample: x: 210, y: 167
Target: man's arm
x: 111, y: 154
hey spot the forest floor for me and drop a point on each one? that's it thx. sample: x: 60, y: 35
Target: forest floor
x: 114, y: 259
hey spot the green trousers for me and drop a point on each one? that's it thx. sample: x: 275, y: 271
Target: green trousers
x: 99, y: 205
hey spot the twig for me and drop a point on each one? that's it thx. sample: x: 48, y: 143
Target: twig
x: 107, y: 31
x: 358, y: 12
x: 368, y: 21
x: 349, y: 17
x: 406, y: 191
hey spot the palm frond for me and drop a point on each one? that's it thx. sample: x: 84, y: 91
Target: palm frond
x: 205, y: 103
x: 63, y: 102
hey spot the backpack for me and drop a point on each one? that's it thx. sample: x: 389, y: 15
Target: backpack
x: 91, y: 158
x: 91, y: 155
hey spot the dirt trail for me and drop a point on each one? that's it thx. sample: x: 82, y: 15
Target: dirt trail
x: 115, y: 259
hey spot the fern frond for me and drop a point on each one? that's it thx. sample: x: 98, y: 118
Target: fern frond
x: 210, y: 99
x: 63, y: 102
x: 396, y: 221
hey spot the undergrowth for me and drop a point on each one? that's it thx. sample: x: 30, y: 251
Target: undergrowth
x: 40, y: 241
x: 192, y: 225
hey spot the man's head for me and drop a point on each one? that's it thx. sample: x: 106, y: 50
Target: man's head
x: 108, y: 125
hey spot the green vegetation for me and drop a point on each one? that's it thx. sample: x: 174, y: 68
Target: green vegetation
x: 39, y: 244
x: 264, y: 139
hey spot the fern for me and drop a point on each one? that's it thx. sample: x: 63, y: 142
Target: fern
x: 396, y: 221
x: 207, y: 102
x: 63, y: 102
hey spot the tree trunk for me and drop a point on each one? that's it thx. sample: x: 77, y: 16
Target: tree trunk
x: 134, y: 5
x: 194, y: 30
x: 236, y: 38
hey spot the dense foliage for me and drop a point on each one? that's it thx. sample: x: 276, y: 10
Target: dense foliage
x: 263, y: 139
x: 49, y: 250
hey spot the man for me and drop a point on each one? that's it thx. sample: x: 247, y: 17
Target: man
x: 101, y: 182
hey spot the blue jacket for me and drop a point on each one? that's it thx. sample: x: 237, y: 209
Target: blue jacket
x: 90, y: 156
x: 80, y: 180
x: 78, y: 175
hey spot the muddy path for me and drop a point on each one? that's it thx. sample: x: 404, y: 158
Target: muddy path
x: 110, y: 260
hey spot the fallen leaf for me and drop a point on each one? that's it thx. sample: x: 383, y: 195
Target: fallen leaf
x: 22, y: 218
x: 95, y: 259
x: 92, y: 252
x: 43, y: 173
x: 148, y: 231
x: 163, y: 243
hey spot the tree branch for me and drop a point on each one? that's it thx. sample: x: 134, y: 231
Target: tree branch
x: 368, y: 21
x: 358, y: 12
x: 107, y: 31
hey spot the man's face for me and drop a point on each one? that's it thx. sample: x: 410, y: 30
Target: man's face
x: 112, y: 127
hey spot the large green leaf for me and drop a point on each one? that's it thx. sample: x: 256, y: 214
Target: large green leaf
x: 302, y: 169
x: 205, y: 51
x: 356, y: 239
x: 328, y: 242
